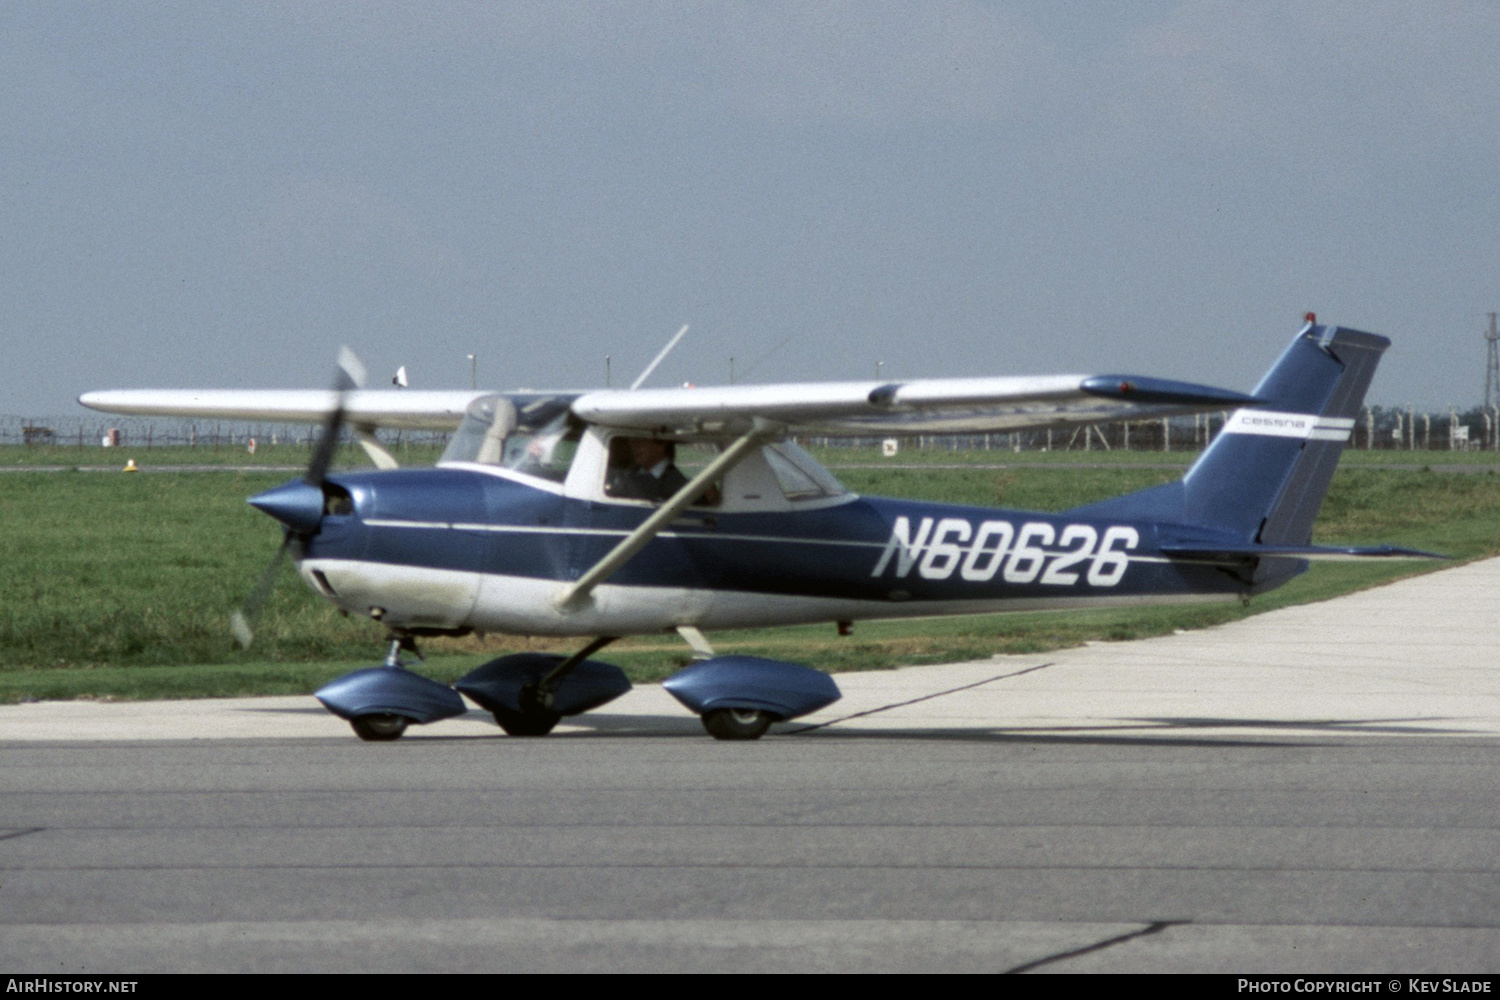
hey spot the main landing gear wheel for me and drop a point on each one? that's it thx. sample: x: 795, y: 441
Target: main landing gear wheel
x: 379, y: 728
x: 531, y: 720
x: 737, y: 723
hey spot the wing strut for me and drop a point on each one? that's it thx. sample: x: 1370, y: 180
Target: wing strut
x: 574, y: 594
x: 383, y: 459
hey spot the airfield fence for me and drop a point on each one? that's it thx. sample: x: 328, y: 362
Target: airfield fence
x: 1384, y: 428
x: 148, y: 433
x: 1380, y: 428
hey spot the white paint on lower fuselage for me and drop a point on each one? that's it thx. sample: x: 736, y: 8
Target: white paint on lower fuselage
x: 413, y: 597
x: 407, y: 596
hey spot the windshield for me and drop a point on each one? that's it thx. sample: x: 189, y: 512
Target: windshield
x: 534, y: 435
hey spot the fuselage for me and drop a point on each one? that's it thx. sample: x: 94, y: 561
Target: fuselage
x: 484, y: 549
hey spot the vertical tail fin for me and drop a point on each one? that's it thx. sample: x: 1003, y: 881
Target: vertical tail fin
x: 1265, y: 475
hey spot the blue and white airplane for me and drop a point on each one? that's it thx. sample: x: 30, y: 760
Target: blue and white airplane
x: 563, y: 514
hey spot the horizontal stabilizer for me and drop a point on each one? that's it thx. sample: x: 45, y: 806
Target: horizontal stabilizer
x: 1233, y: 553
x: 1135, y: 389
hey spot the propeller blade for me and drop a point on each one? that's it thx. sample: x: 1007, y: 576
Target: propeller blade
x: 350, y: 373
x: 347, y: 376
x: 241, y: 623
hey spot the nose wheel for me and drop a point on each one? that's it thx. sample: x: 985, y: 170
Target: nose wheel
x: 737, y: 723
x: 379, y: 728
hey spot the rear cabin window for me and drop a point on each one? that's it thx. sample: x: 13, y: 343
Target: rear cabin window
x: 798, y: 474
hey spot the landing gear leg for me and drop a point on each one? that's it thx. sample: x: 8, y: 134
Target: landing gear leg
x: 529, y: 693
x: 401, y: 642
x: 537, y: 716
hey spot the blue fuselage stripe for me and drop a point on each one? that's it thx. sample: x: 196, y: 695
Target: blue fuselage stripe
x: 866, y: 549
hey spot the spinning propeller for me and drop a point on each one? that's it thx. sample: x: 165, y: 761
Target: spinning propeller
x: 299, y: 505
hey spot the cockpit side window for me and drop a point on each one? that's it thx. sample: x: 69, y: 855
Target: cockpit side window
x: 645, y: 468
x: 547, y: 452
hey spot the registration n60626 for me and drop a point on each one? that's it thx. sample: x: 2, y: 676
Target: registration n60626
x: 1036, y: 552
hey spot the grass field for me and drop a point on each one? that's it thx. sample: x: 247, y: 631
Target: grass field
x: 92, y: 457
x: 120, y: 586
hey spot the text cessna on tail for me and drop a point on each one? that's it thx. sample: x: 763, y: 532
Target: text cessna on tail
x: 564, y: 514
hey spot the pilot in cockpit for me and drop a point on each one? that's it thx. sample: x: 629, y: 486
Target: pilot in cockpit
x: 643, y: 469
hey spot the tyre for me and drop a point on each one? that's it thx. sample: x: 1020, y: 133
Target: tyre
x: 379, y: 728
x: 532, y: 720
x: 737, y: 723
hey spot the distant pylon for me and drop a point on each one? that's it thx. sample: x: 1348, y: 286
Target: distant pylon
x: 1492, y: 366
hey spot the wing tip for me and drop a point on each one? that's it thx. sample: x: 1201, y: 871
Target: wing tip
x: 1143, y: 389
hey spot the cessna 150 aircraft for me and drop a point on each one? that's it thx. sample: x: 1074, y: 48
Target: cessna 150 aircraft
x: 561, y: 514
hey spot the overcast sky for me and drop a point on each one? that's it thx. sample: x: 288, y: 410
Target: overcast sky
x: 219, y: 195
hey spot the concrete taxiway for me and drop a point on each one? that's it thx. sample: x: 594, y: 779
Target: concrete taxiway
x: 1313, y: 789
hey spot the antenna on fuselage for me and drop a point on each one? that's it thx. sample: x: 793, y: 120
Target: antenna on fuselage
x: 657, y: 360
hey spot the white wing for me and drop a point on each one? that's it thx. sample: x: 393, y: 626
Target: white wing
x: 408, y: 410
x: 959, y: 405
x: 932, y: 406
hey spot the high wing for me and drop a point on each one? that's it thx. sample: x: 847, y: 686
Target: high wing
x: 931, y: 406
x: 434, y: 410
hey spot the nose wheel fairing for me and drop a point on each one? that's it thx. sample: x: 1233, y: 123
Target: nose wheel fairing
x: 389, y: 691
